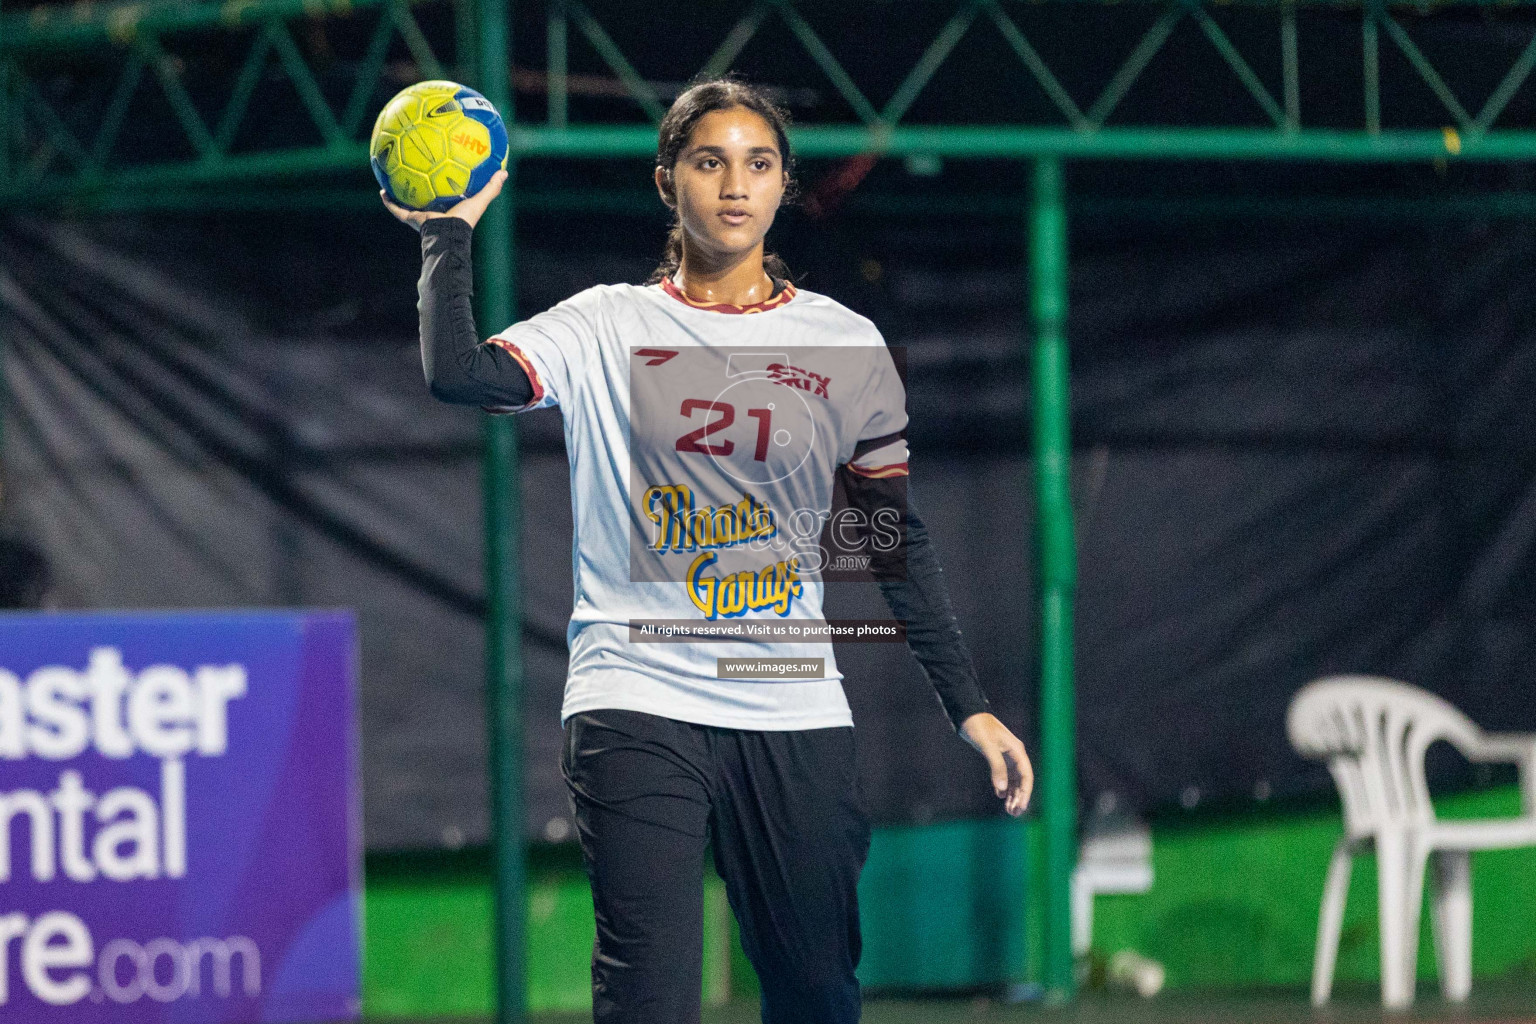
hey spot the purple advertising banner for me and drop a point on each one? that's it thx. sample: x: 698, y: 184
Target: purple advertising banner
x: 180, y: 830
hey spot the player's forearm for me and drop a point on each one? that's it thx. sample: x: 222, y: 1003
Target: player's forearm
x: 922, y: 601
x: 459, y: 368
x: 912, y: 581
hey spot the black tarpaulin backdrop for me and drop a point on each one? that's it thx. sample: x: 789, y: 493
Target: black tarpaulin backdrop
x: 1300, y: 448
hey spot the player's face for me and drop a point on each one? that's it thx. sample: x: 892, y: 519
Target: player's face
x: 728, y: 181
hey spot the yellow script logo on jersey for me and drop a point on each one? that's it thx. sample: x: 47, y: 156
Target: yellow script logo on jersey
x: 681, y: 527
x: 771, y: 587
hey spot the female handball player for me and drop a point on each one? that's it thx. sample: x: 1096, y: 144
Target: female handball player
x: 706, y: 414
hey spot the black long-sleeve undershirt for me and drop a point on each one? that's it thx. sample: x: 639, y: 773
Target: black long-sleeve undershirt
x: 462, y: 369
x: 912, y: 581
x: 922, y: 602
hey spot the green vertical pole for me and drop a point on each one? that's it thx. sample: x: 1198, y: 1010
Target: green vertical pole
x: 557, y: 48
x: 1058, y: 566
x: 495, y: 265
x: 465, y: 43
x: 1370, y: 46
x: 1290, y: 63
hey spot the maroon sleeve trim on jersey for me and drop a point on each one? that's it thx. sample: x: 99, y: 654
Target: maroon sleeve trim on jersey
x: 511, y: 349
x: 879, y: 472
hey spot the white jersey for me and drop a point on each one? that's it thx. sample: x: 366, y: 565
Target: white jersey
x: 703, y: 446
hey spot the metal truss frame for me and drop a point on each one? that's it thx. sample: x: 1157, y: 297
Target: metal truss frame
x: 54, y: 146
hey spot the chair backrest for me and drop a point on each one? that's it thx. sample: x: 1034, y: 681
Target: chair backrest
x: 1373, y: 733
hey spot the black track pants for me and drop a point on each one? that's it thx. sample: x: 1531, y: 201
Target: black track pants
x: 789, y: 840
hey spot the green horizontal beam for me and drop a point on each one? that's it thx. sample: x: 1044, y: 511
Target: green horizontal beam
x: 1205, y: 143
x: 214, y: 171
x: 643, y: 204
x: 1176, y: 209
x: 958, y: 142
x: 1028, y: 142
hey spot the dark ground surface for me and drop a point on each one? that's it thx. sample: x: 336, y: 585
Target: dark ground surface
x: 1490, y: 1004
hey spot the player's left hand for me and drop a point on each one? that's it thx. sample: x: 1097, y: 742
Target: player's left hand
x: 470, y: 210
x: 1013, y: 777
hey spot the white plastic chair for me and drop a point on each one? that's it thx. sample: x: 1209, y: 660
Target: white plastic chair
x: 1373, y: 733
x: 1116, y: 861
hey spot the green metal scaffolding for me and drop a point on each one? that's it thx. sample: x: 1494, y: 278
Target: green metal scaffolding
x: 58, y: 153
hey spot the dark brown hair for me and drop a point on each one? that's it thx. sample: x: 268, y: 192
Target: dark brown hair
x: 677, y: 127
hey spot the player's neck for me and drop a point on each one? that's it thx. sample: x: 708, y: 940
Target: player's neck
x: 734, y: 281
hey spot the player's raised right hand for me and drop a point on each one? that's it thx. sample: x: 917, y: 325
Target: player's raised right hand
x: 470, y: 210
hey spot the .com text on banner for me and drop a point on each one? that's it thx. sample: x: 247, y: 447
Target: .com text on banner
x: 180, y: 831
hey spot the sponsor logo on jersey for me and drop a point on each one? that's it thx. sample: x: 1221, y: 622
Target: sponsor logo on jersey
x: 681, y: 527
x: 773, y: 587
x: 796, y: 377
x: 655, y: 356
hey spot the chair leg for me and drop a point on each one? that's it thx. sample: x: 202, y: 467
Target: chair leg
x: 1082, y: 913
x: 1453, y: 922
x: 1416, y: 858
x: 1330, y: 922
x: 1391, y: 888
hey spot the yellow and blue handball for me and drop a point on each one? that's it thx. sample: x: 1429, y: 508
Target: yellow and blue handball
x: 436, y: 143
